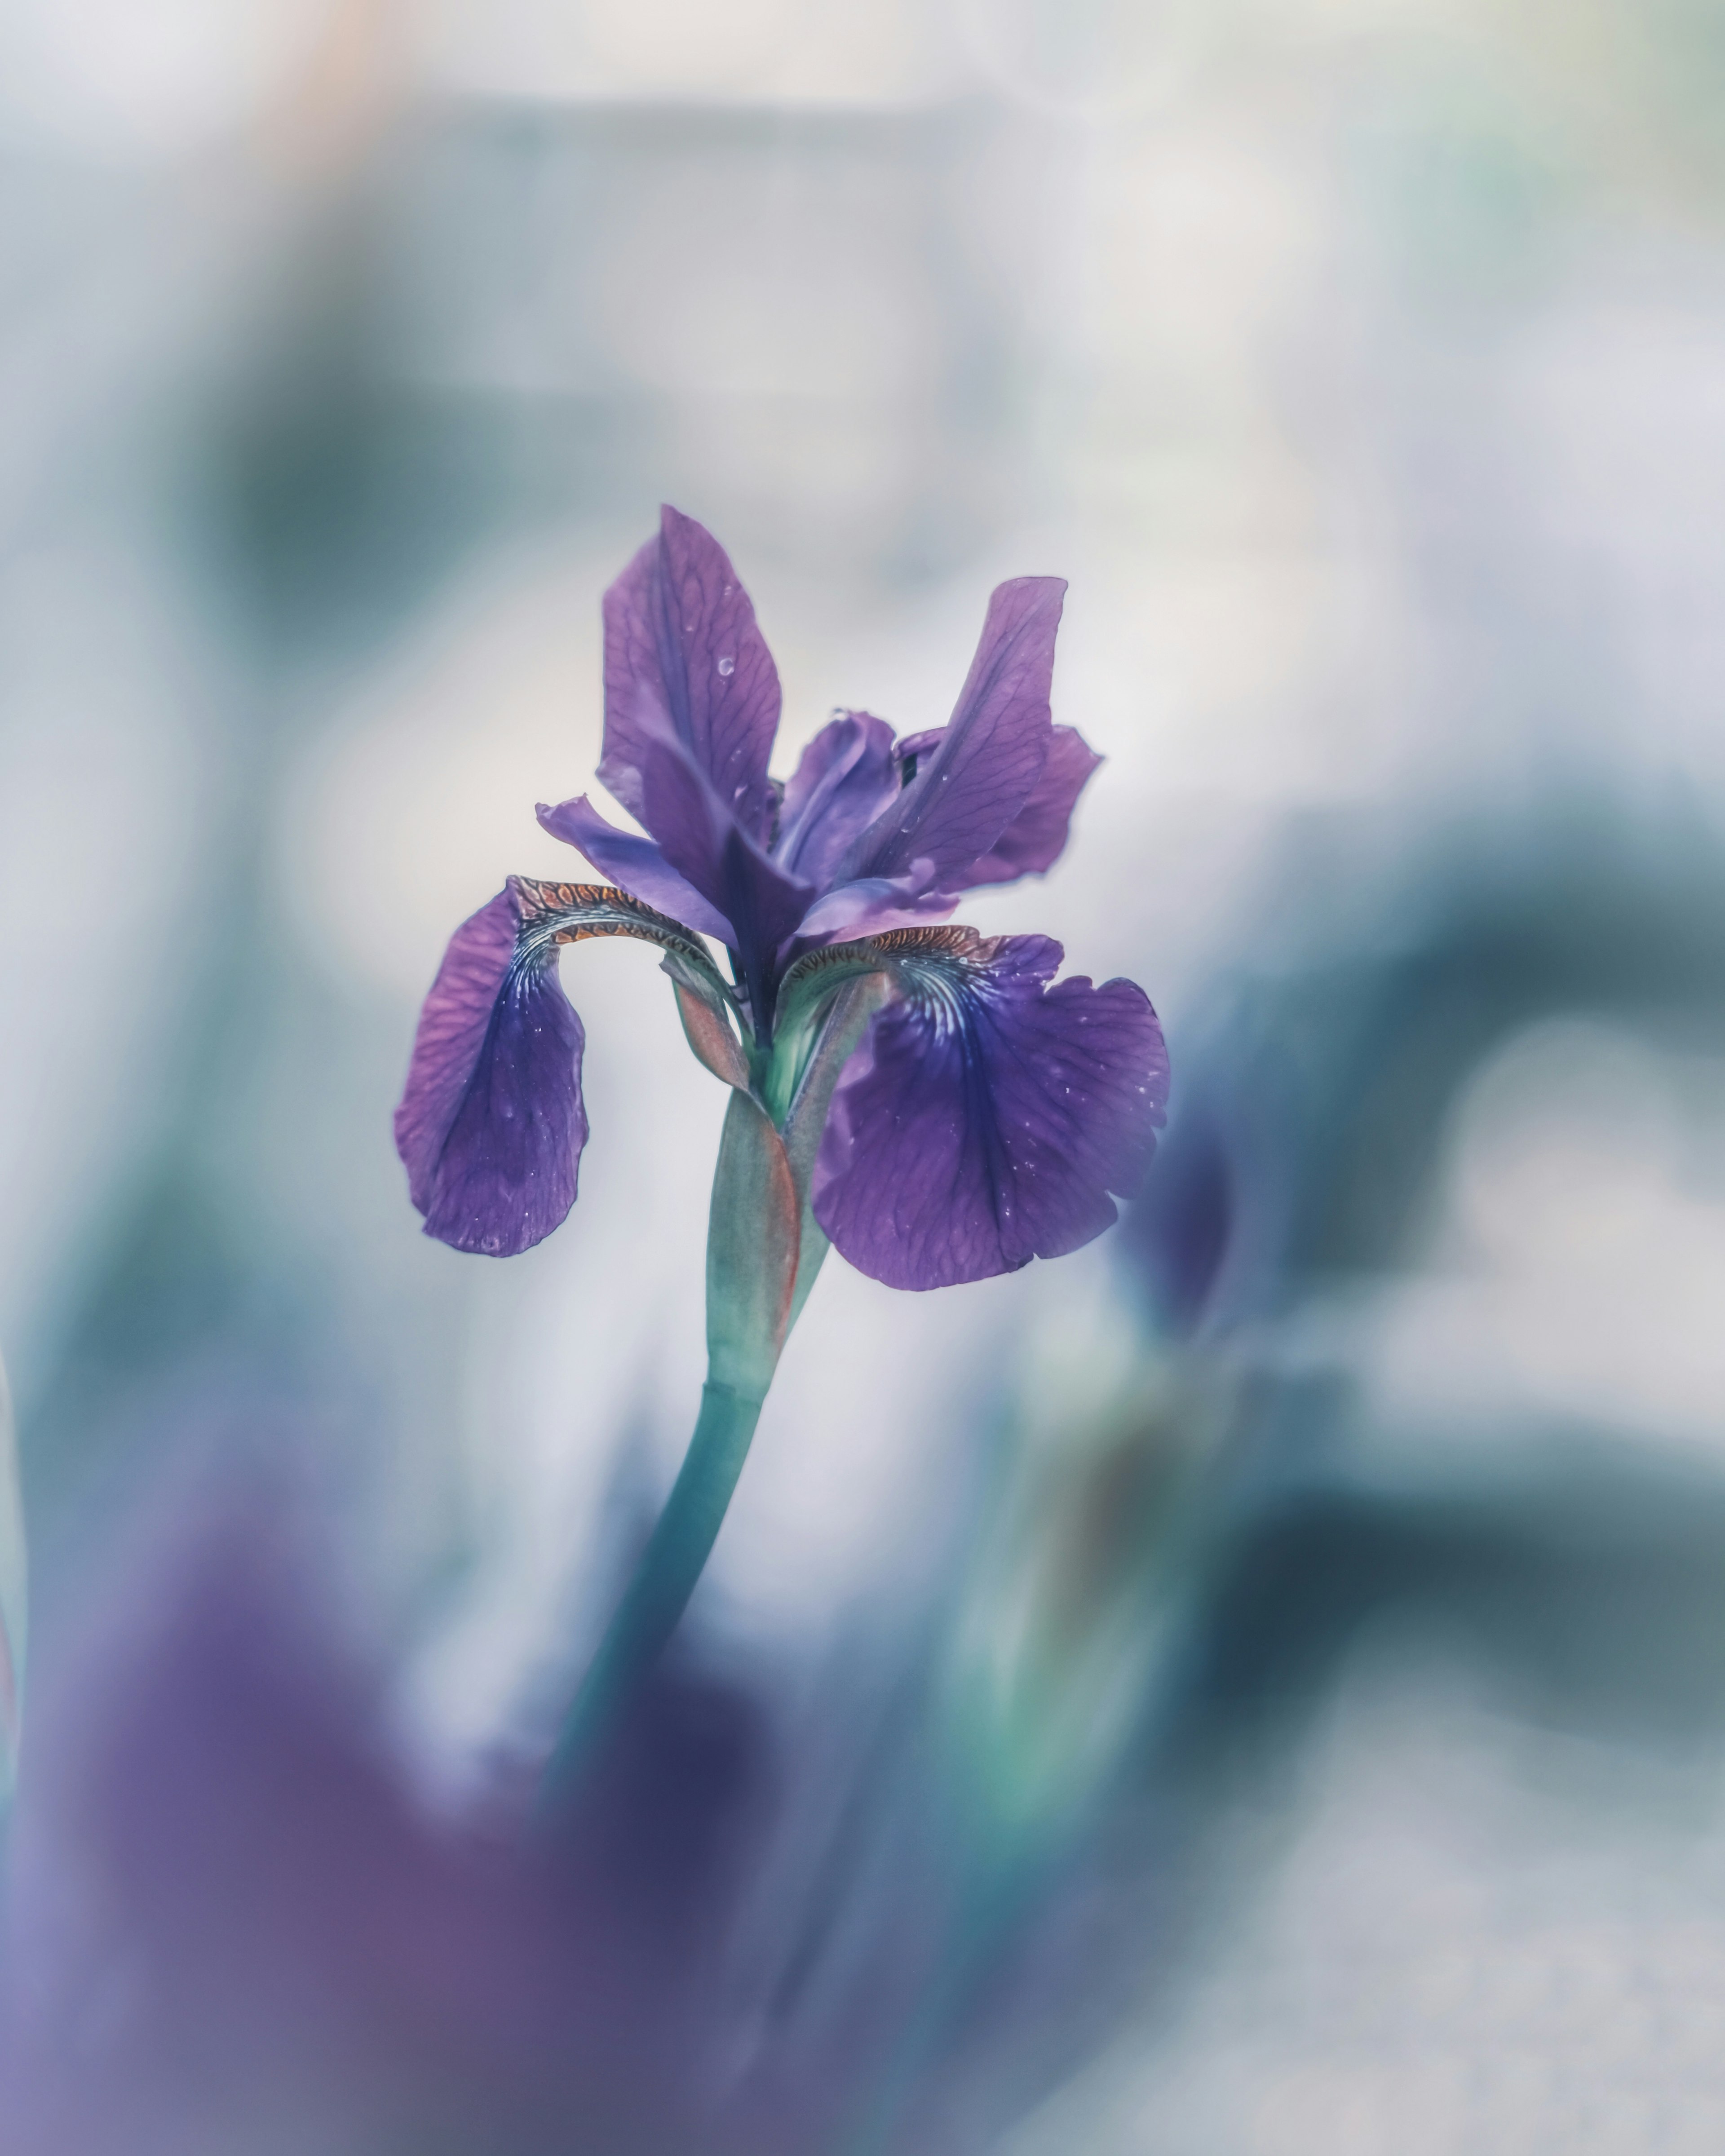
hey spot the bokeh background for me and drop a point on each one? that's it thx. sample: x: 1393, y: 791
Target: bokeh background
x: 1362, y: 364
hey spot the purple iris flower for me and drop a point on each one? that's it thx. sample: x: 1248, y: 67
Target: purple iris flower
x: 983, y: 1114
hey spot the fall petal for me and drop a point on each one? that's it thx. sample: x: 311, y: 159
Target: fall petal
x: 988, y: 1117
x: 491, y: 1125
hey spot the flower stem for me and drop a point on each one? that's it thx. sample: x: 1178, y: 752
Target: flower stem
x: 753, y: 1245
x: 652, y: 1603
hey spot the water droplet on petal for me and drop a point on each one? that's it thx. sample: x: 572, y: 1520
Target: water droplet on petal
x: 727, y: 667
x: 490, y: 1245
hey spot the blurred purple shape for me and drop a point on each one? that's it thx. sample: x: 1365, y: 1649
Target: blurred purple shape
x: 233, y: 1925
x: 1180, y: 1234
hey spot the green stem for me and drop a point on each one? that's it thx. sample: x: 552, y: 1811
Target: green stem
x: 751, y: 1252
x: 763, y: 1249
x: 653, y: 1602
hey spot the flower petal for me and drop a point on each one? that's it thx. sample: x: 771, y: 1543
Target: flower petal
x: 704, y: 843
x: 981, y: 769
x: 684, y: 660
x: 491, y: 1125
x: 636, y: 865
x: 872, y: 904
x: 847, y: 775
x: 1036, y: 837
x: 987, y: 1117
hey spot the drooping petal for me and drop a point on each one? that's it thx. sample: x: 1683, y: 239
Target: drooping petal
x: 491, y: 1125
x: 638, y: 865
x: 984, y: 765
x: 684, y: 660
x: 847, y: 775
x: 987, y: 1116
x: 1036, y: 837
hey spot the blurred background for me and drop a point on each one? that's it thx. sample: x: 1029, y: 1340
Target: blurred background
x: 1310, y: 1601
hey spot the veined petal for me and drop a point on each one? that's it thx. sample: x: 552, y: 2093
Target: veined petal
x: 846, y: 776
x: 987, y: 1117
x: 1036, y: 837
x: 684, y: 660
x: 492, y: 1126
x: 638, y: 865
x: 977, y: 774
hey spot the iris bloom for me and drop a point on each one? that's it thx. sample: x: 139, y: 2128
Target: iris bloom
x: 930, y: 1101
x: 985, y: 1117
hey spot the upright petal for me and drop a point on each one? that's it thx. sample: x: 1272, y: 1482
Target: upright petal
x: 977, y: 774
x: 1036, y: 837
x: 684, y: 660
x: 847, y: 775
x: 704, y: 843
x: 636, y: 865
x: 491, y: 1125
x: 987, y: 1116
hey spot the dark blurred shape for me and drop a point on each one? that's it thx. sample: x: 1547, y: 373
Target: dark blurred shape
x: 1312, y: 1114
x: 1596, y: 1595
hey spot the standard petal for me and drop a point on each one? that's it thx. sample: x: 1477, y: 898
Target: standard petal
x: 684, y: 659
x: 978, y: 772
x: 492, y: 1126
x: 847, y: 775
x: 636, y: 865
x: 1036, y: 837
x: 987, y: 1116
x: 702, y: 841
